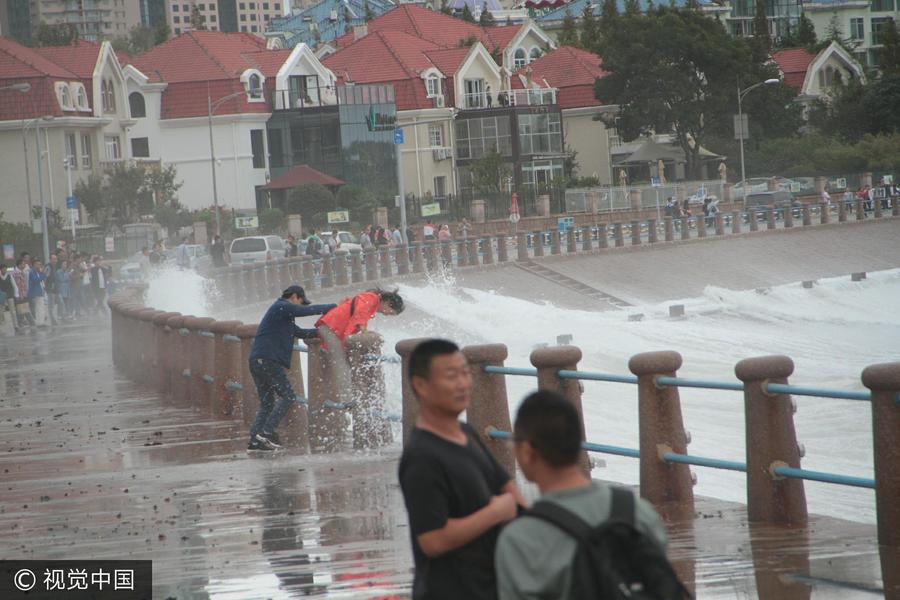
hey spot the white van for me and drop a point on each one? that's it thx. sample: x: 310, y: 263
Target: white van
x: 257, y: 248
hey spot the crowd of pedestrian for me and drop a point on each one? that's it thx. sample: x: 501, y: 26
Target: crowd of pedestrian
x: 72, y: 285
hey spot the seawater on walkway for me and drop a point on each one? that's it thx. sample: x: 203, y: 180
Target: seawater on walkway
x: 95, y: 466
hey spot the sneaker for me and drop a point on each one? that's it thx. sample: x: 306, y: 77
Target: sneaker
x: 256, y: 446
x: 270, y: 439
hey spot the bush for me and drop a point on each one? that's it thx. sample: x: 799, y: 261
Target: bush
x: 271, y: 220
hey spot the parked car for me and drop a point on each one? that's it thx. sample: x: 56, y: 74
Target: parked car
x: 776, y: 200
x: 256, y: 248
x: 348, y: 240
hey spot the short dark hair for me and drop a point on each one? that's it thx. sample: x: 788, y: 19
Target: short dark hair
x: 422, y: 355
x: 551, y: 425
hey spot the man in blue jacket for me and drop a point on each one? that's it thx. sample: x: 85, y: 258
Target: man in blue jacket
x: 270, y: 358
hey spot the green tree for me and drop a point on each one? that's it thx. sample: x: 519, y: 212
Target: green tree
x: 172, y: 217
x: 608, y: 15
x: 445, y: 8
x: 60, y: 34
x: 880, y: 104
x: 632, y: 7
x: 162, y: 33
x: 369, y: 14
x: 489, y: 173
x: 486, y: 19
x: 466, y: 15
x: 162, y: 185
x: 358, y: 200
x: 806, y: 34
x: 311, y: 200
x: 590, y: 30
x: 91, y: 195
x: 889, y: 55
x: 674, y: 70
x: 271, y: 220
x: 198, y: 21
x: 568, y: 36
x: 761, y: 38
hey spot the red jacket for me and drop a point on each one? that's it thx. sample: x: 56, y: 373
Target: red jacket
x: 344, y: 322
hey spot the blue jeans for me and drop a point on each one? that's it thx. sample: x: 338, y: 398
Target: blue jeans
x: 271, y: 380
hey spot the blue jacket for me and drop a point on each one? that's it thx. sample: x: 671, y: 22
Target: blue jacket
x: 35, y: 289
x: 276, y: 332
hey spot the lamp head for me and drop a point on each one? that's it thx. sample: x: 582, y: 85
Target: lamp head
x: 21, y: 87
x: 772, y: 81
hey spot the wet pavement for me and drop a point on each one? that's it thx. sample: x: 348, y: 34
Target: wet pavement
x: 95, y: 466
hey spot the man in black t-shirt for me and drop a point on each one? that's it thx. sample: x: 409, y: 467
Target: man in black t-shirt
x: 457, y: 495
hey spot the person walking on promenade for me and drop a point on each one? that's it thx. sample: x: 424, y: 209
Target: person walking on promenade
x: 270, y: 359
x: 456, y: 493
x: 539, y: 558
x: 8, y: 294
x: 217, y: 251
x: 37, y: 300
x: 100, y: 280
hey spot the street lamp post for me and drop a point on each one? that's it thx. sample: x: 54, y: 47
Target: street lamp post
x: 741, y: 94
x: 212, y: 106
x: 46, y: 235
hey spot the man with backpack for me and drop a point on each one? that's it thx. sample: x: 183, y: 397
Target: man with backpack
x: 583, y: 539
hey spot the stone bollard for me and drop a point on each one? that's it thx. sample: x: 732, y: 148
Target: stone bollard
x: 371, y: 429
x: 249, y: 396
x: 145, y: 341
x: 720, y: 224
x: 754, y: 219
x: 685, y: 228
x: 295, y: 425
x: 356, y: 270
x: 549, y: 361
x: 488, y: 246
x: 884, y: 381
x: 860, y: 210
x: 340, y: 268
x: 177, y: 358
x: 771, y: 443
x: 418, y: 262
x: 164, y: 350
x: 328, y: 271
x: 538, y: 243
x: 446, y: 254
x: 309, y: 273
x: 461, y: 257
x: 824, y: 213
x: 652, y: 233
x: 735, y: 222
x: 191, y: 356
x: 667, y: 485
x: 670, y: 229
x: 502, y: 252
x: 259, y: 283
x: 895, y: 206
x: 571, y: 242
x: 326, y: 426
x: 602, y: 236
x: 203, y: 365
x: 521, y: 246
x: 410, y: 403
x: 384, y: 256
x: 221, y: 401
x: 788, y: 217
x: 635, y: 233
x: 586, y: 242
x: 770, y: 218
x: 842, y: 211
x: 701, y: 226
x: 555, y: 242
x: 876, y: 205
x: 807, y: 215
x: 402, y: 258
x: 371, y: 264
x: 431, y: 256
x: 618, y: 235
x: 489, y: 407
x: 473, y: 252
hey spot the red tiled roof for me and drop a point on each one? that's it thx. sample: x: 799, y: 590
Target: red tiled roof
x: 794, y: 62
x: 79, y: 58
x: 449, y: 60
x: 571, y: 70
x: 436, y: 27
x: 268, y: 61
x: 19, y: 64
x: 300, y: 175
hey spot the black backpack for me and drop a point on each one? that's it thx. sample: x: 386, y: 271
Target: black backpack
x: 614, y: 560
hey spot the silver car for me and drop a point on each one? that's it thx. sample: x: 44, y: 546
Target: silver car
x: 256, y: 248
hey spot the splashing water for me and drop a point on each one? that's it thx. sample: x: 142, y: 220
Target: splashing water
x: 181, y: 290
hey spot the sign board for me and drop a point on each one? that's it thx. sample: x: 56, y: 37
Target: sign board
x: 9, y: 252
x: 514, y: 217
x: 888, y: 179
x: 565, y: 224
x: 741, y: 127
x: 429, y: 210
x: 398, y: 136
x: 110, y: 244
x: 655, y: 182
x: 838, y: 184
x: 795, y: 186
x: 71, y: 202
x: 339, y: 216
x: 246, y: 222
x: 74, y: 217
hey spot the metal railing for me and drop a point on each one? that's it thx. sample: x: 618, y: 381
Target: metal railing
x: 507, y: 98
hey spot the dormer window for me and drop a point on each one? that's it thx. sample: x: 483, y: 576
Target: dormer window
x: 254, y: 86
x: 433, y: 86
x: 253, y: 82
x: 81, y: 101
x: 534, y: 54
x: 64, y: 96
x: 108, y: 96
x: 520, y: 58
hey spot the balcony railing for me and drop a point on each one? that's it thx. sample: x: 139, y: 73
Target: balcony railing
x: 300, y: 99
x: 506, y: 98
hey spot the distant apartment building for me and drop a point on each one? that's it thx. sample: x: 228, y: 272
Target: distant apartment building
x: 153, y: 12
x: 859, y: 22
x: 95, y: 20
x: 224, y: 15
x: 15, y: 20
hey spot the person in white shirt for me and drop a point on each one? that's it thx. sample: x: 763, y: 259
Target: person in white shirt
x: 428, y: 231
x: 826, y: 198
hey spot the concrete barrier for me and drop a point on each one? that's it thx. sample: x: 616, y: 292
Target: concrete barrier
x: 410, y: 404
x: 370, y: 427
x: 384, y: 256
x: 249, y: 396
x: 356, y: 266
x: 221, y: 398
x: 489, y: 406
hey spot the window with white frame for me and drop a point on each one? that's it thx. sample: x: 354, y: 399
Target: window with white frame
x: 81, y: 101
x: 63, y: 95
x: 113, y: 148
x: 433, y: 86
x: 534, y: 54
x: 440, y: 187
x: 858, y: 29
x: 436, y: 135
x: 71, y: 149
x: 85, y: 151
x: 520, y: 59
x: 108, y: 94
x: 254, y: 86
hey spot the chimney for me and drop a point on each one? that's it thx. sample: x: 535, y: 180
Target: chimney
x: 360, y: 31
